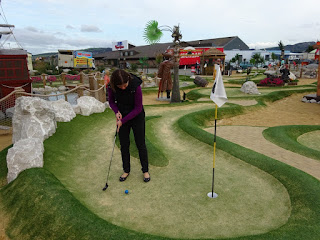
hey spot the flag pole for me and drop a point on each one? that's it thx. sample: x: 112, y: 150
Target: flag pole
x: 219, y: 97
x: 212, y: 194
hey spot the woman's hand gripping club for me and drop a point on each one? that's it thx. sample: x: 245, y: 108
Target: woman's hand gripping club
x: 119, y: 120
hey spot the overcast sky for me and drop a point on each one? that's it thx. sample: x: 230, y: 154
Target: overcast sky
x: 48, y: 25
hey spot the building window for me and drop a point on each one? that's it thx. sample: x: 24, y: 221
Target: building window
x: 131, y: 53
x: 126, y: 53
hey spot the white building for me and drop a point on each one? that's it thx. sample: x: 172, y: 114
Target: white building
x: 245, y: 55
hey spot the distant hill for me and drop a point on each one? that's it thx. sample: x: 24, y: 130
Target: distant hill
x: 296, y: 48
x: 93, y: 50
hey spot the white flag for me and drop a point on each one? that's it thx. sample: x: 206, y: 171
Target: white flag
x: 218, y: 94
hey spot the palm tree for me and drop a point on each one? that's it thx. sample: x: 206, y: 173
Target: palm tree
x: 143, y: 62
x: 237, y: 58
x: 281, y: 48
x: 273, y: 56
x: 152, y: 35
x: 256, y: 59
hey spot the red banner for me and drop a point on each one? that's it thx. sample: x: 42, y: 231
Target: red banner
x: 191, y: 56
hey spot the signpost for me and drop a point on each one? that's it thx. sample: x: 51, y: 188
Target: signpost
x: 82, y: 59
x: 118, y: 46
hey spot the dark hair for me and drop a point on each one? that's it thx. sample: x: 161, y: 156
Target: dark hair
x: 119, y: 77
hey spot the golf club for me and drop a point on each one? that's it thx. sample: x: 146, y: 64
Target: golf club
x: 114, y: 143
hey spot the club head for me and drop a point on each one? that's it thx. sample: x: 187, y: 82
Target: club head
x: 105, y: 188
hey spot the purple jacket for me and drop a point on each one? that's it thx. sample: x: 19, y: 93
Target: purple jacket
x: 137, y: 104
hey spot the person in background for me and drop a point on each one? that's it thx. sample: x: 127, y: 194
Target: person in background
x: 125, y: 99
x: 164, y: 73
x: 106, y: 77
x: 106, y: 82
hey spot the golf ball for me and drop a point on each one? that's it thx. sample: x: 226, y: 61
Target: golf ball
x: 126, y: 191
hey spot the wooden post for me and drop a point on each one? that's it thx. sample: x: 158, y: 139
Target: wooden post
x: 101, y: 93
x: 63, y: 78
x: 80, y: 90
x: 43, y: 76
x: 81, y: 78
x: 93, y: 85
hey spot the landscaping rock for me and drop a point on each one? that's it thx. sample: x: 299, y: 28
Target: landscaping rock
x: 25, y: 154
x: 48, y: 89
x: 76, y: 109
x: 10, y: 112
x: 2, y: 115
x: 310, y: 74
x: 33, y: 118
x: 311, y: 66
x: 107, y: 104
x: 89, y: 105
x: 62, y: 88
x: 63, y: 111
x: 249, y: 88
x: 184, y: 84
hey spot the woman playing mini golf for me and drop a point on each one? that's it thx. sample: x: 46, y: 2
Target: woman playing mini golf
x: 125, y: 99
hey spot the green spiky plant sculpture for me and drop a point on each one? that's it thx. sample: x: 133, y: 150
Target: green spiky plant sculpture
x: 152, y: 35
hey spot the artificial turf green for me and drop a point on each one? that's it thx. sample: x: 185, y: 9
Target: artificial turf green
x: 155, y: 155
x: 40, y: 207
x: 286, y: 137
x: 269, y: 97
x: 304, y: 190
x: 255, y: 79
x: 3, y: 166
x: 37, y: 195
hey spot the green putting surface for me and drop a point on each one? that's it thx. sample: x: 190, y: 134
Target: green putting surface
x: 250, y: 201
x: 287, y: 137
x: 259, y: 197
x: 310, y: 140
x: 235, y: 92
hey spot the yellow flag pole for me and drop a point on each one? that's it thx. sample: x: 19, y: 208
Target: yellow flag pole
x: 212, y: 194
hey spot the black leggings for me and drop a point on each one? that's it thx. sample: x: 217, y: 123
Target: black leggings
x: 138, y: 126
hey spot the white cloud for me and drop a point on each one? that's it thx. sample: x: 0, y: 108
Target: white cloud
x: 69, y: 27
x: 40, y: 42
x: 90, y: 28
x: 259, y: 25
x: 32, y: 29
x: 262, y: 45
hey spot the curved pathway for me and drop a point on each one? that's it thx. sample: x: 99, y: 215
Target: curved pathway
x: 252, y: 138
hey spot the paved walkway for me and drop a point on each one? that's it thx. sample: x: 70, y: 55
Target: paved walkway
x: 252, y: 138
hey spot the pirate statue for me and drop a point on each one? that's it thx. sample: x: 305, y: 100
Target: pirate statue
x: 164, y: 73
x: 285, y: 73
